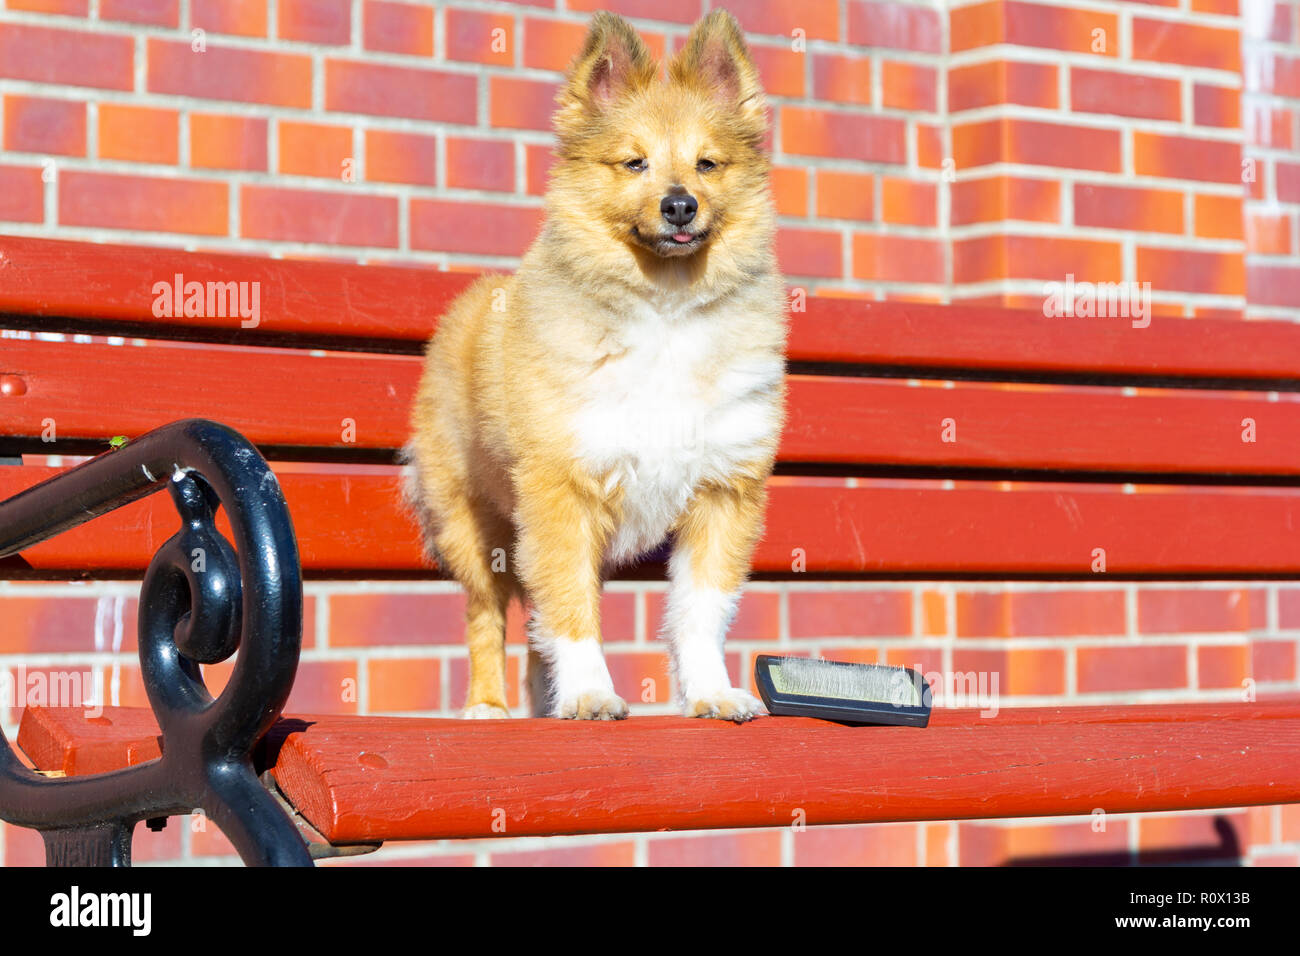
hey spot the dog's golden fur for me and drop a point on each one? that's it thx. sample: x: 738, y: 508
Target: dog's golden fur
x: 511, y: 501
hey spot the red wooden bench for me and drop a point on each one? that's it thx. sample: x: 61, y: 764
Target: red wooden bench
x: 1133, y: 460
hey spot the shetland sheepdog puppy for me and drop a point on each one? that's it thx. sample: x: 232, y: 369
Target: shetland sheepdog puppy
x: 624, y: 388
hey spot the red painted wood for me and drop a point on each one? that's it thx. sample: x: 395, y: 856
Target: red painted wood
x: 322, y: 300
x: 356, y: 523
x: 96, y: 391
x: 48, y: 277
x: 374, y: 778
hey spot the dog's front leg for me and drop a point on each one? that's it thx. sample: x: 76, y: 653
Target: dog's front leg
x: 563, y: 527
x: 710, y: 562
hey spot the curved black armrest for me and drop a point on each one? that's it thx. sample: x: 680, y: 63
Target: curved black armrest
x: 200, y: 601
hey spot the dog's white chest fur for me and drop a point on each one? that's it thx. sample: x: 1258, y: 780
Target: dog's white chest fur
x: 669, y: 408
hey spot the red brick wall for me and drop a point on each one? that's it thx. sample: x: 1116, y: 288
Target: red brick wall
x: 938, y: 150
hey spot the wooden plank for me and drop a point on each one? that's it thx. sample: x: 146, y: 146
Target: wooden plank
x: 362, y: 401
x: 360, y: 779
x: 327, y: 301
x: 356, y: 523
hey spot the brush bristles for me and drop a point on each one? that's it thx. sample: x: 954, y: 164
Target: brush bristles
x: 862, y: 682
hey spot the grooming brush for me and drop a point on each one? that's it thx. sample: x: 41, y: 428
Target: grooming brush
x: 844, y: 692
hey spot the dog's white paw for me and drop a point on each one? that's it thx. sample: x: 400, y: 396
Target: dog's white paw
x: 485, y: 712
x: 592, y: 705
x: 730, y: 704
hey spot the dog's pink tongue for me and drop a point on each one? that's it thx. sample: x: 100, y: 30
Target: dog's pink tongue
x: 683, y: 237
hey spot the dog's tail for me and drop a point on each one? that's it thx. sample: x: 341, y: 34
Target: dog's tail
x: 415, y: 503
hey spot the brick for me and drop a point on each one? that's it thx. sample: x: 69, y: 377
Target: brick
x: 934, y: 613
x: 324, y: 687
x: 780, y: 69
x: 1036, y: 257
x: 1002, y: 81
x: 1075, y: 843
x: 314, y: 21
x: 874, y: 844
x: 757, y: 619
x: 1192, y: 836
x: 809, y: 252
x: 790, y: 190
x: 227, y: 142
x: 899, y: 26
x: 165, y: 13
x: 551, y: 44
x: 1023, y: 671
x: 599, y: 854
x: 1272, y: 285
x: 1175, y: 611
x: 206, y: 840
x: 1216, y: 106
x: 47, y: 624
x: 850, y: 613
x: 480, y: 37
x: 398, y: 27
x: 112, y: 201
x: 1268, y: 233
x: 908, y: 202
x: 814, y: 132
x: 302, y: 215
x: 1040, y: 613
x: 38, y: 125
x: 819, y: 19
x: 930, y: 149
x: 1125, y: 94
x: 375, y: 620
x: 1145, y: 667
x: 1005, y: 198
x: 845, y: 195
x: 676, y: 11
x: 401, y: 158
x: 21, y: 195
x: 1186, y: 157
x: 381, y: 90
x: 67, y: 8
x: 313, y: 149
x: 897, y: 258
x: 66, y: 57
x: 909, y: 86
x: 641, y: 677
x: 481, y: 164
x: 1267, y: 127
x: 442, y: 226
x: 139, y: 133
x: 239, y: 17
x: 936, y: 844
x: 1288, y: 182
x: 1034, y: 25
x: 538, y: 161
x: 750, y: 848
x: 843, y: 79
x: 1222, y: 665
x: 1121, y: 207
x: 1053, y: 144
x: 225, y: 73
x: 979, y: 144
x: 1214, y: 273
x: 1169, y: 41
x: 1219, y: 217
x: 404, y: 684
x: 517, y: 103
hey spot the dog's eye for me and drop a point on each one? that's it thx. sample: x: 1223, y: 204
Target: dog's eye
x: 637, y: 165
x: 704, y: 165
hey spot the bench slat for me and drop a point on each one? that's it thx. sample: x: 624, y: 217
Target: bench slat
x: 356, y: 523
x: 360, y: 779
x: 336, y: 302
x: 837, y: 420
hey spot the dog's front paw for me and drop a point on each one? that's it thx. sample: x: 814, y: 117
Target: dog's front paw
x: 484, y: 712
x: 730, y: 704
x: 592, y: 705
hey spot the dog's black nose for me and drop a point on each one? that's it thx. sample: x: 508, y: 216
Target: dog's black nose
x: 679, y: 210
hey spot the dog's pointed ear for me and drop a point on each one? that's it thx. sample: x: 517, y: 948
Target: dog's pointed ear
x: 716, y: 60
x: 614, y: 60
